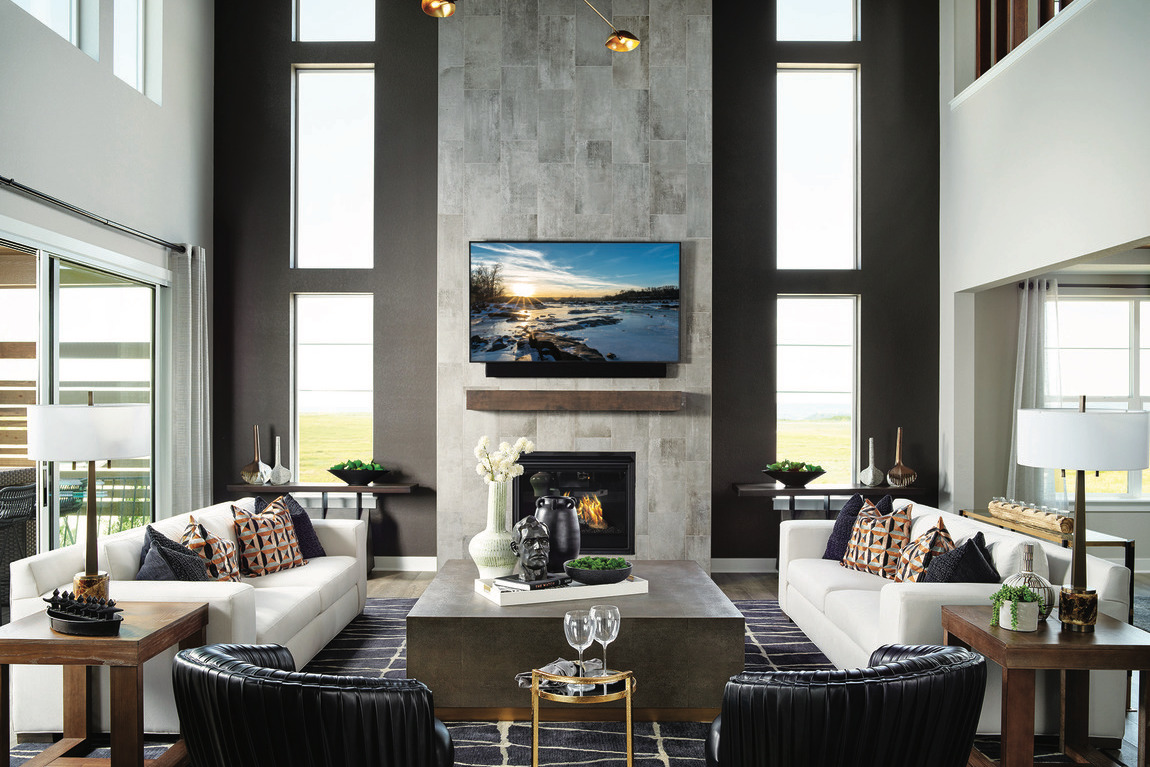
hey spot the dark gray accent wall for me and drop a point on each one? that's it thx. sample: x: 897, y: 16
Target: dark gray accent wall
x: 899, y: 279
x: 253, y: 280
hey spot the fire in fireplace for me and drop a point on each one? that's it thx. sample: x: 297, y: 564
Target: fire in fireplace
x: 603, y: 486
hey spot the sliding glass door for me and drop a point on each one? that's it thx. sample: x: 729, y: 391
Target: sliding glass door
x: 101, y: 331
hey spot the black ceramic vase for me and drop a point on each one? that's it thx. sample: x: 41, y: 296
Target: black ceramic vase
x: 558, y: 513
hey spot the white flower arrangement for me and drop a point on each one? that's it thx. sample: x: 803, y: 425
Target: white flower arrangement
x: 500, y: 466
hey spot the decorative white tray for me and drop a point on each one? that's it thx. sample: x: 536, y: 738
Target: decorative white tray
x: 574, y: 590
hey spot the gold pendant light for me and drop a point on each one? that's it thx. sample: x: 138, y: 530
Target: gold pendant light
x: 439, y: 8
x: 622, y: 40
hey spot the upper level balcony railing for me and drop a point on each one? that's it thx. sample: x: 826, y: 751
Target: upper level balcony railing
x: 1003, y: 25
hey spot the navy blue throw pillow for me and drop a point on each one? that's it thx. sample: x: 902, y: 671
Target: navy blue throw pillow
x: 841, y: 534
x: 164, y: 564
x: 154, y: 538
x: 309, y: 545
x: 968, y: 563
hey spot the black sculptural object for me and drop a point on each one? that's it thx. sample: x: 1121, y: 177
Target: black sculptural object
x: 532, y: 544
x: 558, y: 513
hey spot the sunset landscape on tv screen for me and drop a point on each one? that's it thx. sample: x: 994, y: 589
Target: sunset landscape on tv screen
x: 574, y: 302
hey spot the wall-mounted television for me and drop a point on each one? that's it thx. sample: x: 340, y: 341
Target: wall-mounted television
x: 574, y: 306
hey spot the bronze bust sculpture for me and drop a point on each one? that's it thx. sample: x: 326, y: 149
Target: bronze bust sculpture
x: 532, y: 544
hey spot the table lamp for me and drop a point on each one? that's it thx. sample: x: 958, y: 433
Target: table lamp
x: 89, y: 433
x: 1082, y: 440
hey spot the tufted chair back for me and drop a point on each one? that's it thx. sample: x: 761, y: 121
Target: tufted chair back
x: 914, y: 705
x: 246, y: 706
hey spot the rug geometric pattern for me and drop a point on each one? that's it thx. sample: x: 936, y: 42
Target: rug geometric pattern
x: 374, y: 644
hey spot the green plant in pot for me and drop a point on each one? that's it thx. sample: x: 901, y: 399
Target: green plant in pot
x: 1022, y: 604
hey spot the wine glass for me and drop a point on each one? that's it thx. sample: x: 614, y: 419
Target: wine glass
x: 580, y: 631
x: 606, y: 621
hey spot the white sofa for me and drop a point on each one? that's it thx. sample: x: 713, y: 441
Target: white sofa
x: 848, y: 614
x: 302, y: 608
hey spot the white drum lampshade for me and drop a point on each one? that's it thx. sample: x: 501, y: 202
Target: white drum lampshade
x: 1096, y: 440
x: 89, y: 433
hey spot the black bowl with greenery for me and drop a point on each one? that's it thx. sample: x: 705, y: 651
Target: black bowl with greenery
x: 595, y: 571
x: 359, y: 472
x: 793, y: 473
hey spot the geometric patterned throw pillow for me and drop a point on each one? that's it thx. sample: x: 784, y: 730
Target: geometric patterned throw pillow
x: 877, y: 539
x: 267, y: 539
x: 916, y: 555
x: 309, y: 545
x: 218, y: 553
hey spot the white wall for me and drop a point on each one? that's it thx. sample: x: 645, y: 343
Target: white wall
x: 70, y: 128
x: 1043, y: 163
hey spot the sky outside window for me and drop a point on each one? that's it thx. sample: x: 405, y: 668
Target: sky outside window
x: 816, y: 20
x: 335, y: 158
x: 335, y: 20
x: 817, y: 162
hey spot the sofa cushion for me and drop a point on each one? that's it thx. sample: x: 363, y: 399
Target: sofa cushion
x: 844, y: 523
x: 967, y: 563
x: 855, y: 613
x: 267, y: 541
x: 282, y: 612
x: 814, y: 579
x: 309, y: 545
x: 218, y: 553
x: 333, y: 576
x: 916, y: 555
x: 876, y: 540
x: 1006, y: 554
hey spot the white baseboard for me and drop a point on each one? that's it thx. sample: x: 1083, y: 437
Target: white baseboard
x: 756, y: 565
x: 406, y: 564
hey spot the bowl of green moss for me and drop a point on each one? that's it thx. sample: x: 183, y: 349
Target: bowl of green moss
x: 595, y: 571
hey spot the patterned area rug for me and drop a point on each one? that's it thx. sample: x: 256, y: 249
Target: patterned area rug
x: 374, y: 644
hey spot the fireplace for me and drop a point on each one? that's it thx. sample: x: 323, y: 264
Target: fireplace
x: 603, y: 486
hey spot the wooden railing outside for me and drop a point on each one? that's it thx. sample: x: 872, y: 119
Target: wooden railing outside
x: 1003, y: 25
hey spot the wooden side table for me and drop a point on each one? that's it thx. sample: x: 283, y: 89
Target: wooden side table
x: 1112, y: 645
x: 623, y: 681
x: 148, y: 629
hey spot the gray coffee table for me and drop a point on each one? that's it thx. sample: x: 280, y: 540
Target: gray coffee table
x: 683, y: 639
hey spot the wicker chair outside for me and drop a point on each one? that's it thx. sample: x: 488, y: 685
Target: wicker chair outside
x: 17, y: 519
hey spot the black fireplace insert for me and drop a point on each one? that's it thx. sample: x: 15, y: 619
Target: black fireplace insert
x: 602, y: 485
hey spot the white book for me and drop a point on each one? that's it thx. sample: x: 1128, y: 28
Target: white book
x: 574, y: 590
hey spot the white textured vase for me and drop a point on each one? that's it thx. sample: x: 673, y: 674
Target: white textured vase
x: 871, y: 476
x: 281, y: 474
x: 490, y: 549
x: 1027, y: 616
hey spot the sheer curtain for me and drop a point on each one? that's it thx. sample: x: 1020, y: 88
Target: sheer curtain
x: 191, y: 382
x: 1036, y: 379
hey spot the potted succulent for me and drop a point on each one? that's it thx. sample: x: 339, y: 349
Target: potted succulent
x: 1022, y: 607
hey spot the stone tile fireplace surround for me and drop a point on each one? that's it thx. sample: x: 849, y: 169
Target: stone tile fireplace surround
x: 545, y: 134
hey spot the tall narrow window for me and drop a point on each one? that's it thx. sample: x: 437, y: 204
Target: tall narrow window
x: 817, y: 169
x: 334, y: 161
x: 816, y: 20
x: 57, y: 15
x: 105, y: 347
x: 335, y: 20
x: 128, y: 42
x: 815, y: 383
x: 1102, y: 350
x: 333, y: 381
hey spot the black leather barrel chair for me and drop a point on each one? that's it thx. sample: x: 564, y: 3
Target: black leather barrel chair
x: 246, y: 706
x: 914, y: 706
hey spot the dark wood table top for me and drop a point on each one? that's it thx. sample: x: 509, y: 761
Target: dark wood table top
x: 774, y: 490
x: 325, y: 487
x: 1112, y: 645
x: 148, y: 629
